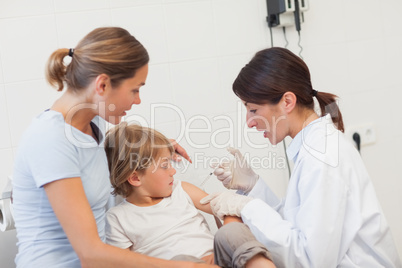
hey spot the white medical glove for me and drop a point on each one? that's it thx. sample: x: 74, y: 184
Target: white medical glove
x: 236, y: 174
x: 226, y: 203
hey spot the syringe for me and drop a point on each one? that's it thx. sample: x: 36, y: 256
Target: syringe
x: 209, y: 176
x: 206, y: 179
x: 215, y: 167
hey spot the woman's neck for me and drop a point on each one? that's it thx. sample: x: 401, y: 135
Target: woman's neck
x: 301, y: 118
x: 77, y: 109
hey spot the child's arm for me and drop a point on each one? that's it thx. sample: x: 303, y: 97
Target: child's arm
x: 229, y: 219
x: 196, y: 194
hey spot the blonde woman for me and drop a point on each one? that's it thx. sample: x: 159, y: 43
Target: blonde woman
x: 61, y: 179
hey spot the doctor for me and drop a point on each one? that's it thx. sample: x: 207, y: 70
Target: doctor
x: 330, y: 216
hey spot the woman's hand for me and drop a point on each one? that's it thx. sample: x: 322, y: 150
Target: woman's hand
x: 237, y: 173
x: 209, y: 259
x: 226, y: 203
x: 205, y: 265
x: 179, y: 151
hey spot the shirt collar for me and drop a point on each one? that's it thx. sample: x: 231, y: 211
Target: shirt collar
x: 294, y: 147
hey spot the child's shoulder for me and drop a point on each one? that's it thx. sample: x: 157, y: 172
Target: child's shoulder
x: 119, y: 208
x: 180, y: 184
x: 189, y: 188
x: 185, y: 184
x: 177, y: 183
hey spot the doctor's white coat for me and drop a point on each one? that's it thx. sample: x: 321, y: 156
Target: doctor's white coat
x: 330, y: 216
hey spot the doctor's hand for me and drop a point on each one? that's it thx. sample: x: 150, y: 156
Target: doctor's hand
x: 237, y: 173
x: 226, y: 203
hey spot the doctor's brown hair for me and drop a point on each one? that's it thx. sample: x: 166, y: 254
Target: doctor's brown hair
x: 274, y: 71
x: 132, y: 148
x: 108, y: 50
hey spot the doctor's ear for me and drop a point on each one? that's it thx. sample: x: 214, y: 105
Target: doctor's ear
x: 134, y: 179
x: 102, y: 82
x: 289, y: 101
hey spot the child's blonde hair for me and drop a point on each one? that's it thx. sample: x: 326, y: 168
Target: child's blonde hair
x: 131, y: 148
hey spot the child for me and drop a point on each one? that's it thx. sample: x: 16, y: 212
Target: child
x: 159, y: 216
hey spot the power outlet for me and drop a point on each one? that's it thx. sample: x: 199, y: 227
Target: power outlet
x: 366, y: 132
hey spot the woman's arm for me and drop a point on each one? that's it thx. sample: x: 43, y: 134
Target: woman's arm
x: 72, y: 209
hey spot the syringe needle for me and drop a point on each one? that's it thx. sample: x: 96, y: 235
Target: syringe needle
x: 206, y: 179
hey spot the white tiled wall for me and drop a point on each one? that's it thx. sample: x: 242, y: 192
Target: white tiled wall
x: 190, y: 30
x: 196, y: 86
x: 25, y: 8
x: 1, y: 73
x: 24, y: 100
x: 197, y: 47
x: 77, y: 5
x: 72, y: 26
x: 25, y: 42
x: 5, y: 138
x: 153, y: 36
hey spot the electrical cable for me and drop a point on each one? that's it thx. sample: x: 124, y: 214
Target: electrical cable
x: 287, y: 159
x: 298, y: 26
x: 272, y: 39
x: 298, y: 43
x: 284, y: 144
x: 297, y: 14
x: 356, y: 138
x: 284, y: 35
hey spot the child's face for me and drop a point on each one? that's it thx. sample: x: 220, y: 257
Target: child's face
x: 157, y: 180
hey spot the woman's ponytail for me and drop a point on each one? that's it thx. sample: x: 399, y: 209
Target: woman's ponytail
x: 106, y: 50
x: 328, y: 105
x: 55, y: 69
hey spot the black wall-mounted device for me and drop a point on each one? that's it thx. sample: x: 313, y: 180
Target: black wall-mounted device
x: 285, y: 13
x: 275, y: 8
